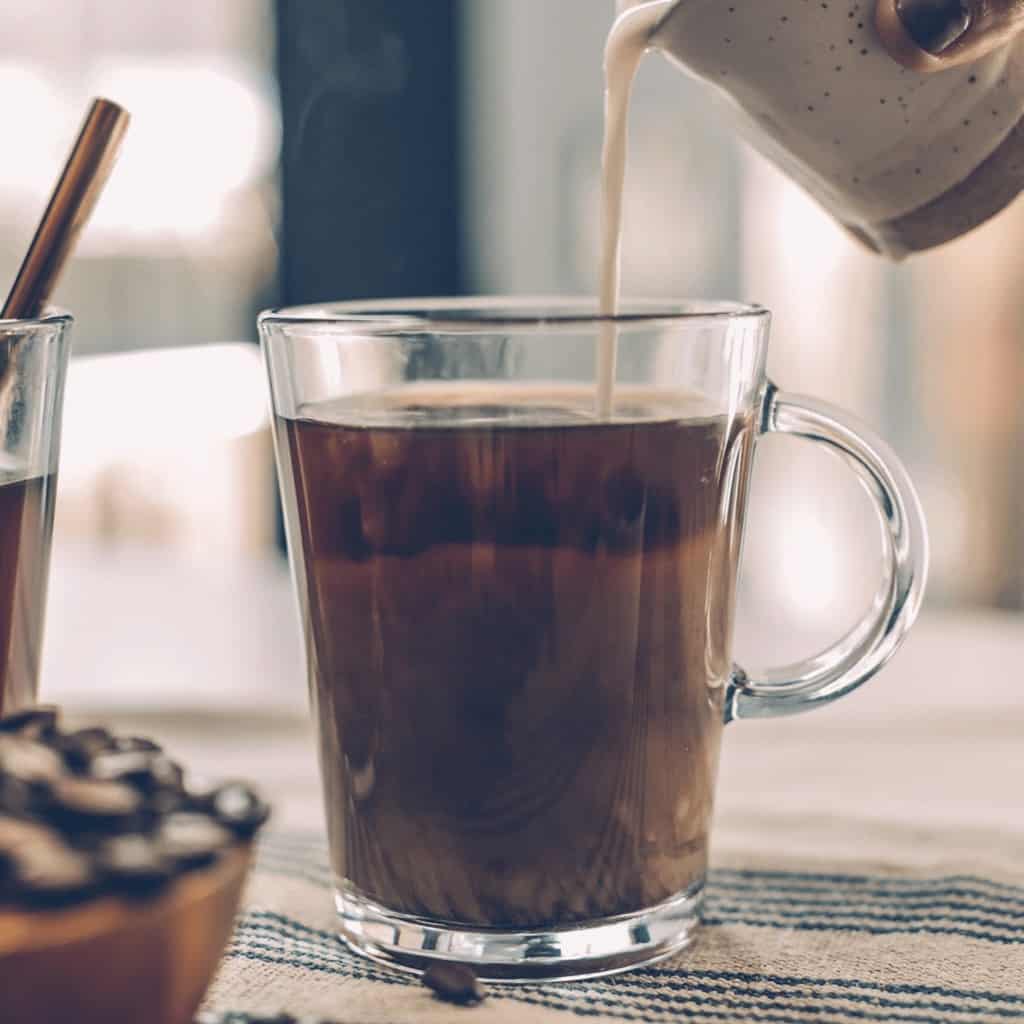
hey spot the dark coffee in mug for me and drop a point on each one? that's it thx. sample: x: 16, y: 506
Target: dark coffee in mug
x: 518, y: 621
x: 26, y: 519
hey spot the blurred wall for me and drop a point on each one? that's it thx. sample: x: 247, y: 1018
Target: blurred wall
x: 370, y: 197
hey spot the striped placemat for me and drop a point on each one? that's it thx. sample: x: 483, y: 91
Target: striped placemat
x: 780, y: 944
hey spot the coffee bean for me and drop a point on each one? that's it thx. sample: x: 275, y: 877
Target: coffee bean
x: 81, y: 805
x: 15, y: 834
x: 134, y: 863
x: 20, y: 840
x: 41, y: 868
x: 29, y: 760
x: 167, y: 774
x: 144, y: 770
x: 121, y: 766
x: 454, y: 983
x: 79, y: 748
x: 239, y: 808
x: 167, y: 801
x: 30, y: 723
x: 7, y: 869
x: 21, y: 799
x: 95, y: 739
x: 191, y: 839
x: 51, y: 875
x: 130, y: 744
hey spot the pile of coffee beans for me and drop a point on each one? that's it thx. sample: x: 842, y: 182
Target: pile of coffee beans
x: 86, y: 813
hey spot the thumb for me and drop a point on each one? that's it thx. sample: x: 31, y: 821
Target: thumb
x: 930, y: 35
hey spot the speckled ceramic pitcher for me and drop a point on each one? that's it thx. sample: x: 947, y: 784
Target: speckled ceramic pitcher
x: 904, y: 160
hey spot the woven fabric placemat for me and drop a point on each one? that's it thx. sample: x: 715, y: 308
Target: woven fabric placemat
x: 779, y: 944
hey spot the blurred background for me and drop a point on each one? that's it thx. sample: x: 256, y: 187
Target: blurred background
x: 325, y: 149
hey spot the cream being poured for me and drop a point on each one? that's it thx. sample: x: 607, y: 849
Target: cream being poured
x: 628, y: 41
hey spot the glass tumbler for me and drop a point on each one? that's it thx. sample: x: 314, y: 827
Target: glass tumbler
x: 33, y: 362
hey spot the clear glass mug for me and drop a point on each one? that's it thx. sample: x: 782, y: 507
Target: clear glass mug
x: 33, y: 363
x: 518, y: 614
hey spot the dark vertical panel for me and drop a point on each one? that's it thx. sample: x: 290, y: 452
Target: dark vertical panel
x: 369, y: 162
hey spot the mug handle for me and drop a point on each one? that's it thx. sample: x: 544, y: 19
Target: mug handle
x: 869, y: 645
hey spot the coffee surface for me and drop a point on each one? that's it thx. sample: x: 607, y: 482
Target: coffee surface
x: 519, y: 622
x: 26, y: 516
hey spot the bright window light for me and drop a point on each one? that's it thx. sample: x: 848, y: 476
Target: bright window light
x: 201, y: 129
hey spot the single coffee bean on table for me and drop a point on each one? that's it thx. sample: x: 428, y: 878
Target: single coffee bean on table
x: 454, y: 983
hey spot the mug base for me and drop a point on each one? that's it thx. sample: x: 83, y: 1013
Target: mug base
x: 587, y: 950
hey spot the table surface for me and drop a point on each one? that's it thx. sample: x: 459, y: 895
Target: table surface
x: 942, y: 725
x: 210, y: 657
x: 920, y: 774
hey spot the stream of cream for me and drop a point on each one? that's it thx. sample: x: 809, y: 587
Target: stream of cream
x: 628, y: 41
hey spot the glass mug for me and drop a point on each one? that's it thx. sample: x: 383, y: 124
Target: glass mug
x: 33, y: 363
x: 518, y: 615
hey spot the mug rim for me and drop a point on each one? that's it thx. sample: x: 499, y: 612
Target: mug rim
x: 520, y: 312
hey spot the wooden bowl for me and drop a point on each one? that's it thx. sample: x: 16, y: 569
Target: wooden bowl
x: 115, y: 961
